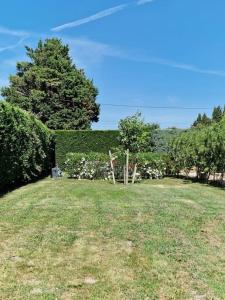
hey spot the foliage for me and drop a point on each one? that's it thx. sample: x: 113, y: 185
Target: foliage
x: 87, y: 166
x: 202, y: 149
x: 135, y: 134
x: 152, y: 165
x: 217, y: 114
x: 162, y: 139
x: 202, y: 120
x: 82, y: 141
x: 149, y: 165
x: 25, y: 146
x: 96, y: 165
x: 197, y: 121
x: 53, y: 89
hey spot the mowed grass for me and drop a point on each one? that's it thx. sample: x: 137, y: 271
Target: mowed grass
x: 66, y: 239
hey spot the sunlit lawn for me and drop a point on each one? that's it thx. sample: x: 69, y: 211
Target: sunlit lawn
x: 65, y: 239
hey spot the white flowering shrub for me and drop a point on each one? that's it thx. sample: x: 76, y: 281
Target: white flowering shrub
x: 87, y: 166
x: 96, y: 166
x: 151, y: 165
x: 149, y: 172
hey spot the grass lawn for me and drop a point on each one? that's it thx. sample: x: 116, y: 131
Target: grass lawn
x: 65, y: 239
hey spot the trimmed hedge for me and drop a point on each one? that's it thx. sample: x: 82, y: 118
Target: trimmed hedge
x: 26, y: 147
x: 82, y: 141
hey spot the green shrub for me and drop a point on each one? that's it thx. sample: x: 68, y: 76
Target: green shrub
x: 81, y: 141
x: 96, y: 165
x: 202, y: 149
x: 87, y: 166
x: 25, y: 146
x: 152, y: 165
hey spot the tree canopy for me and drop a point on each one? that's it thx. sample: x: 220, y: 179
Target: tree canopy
x: 53, y: 88
x: 217, y: 114
x: 135, y: 134
x: 204, y: 120
x: 201, y: 148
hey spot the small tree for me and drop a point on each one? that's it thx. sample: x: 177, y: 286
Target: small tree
x: 135, y: 134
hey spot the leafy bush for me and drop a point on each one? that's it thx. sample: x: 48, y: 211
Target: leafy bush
x: 81, y: 141
x: 96, y: 165
x: 87, y: 166
x: 152, y: 165
x: 202, y: 149
x: 25, y: 146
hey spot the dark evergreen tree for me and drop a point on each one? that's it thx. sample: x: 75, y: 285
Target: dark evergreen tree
x: 202, y: 120
x: 217, y: 114
x: 206, y: 121
x: 50, y: 86
x: 224, y: 110
x: 197, y: 121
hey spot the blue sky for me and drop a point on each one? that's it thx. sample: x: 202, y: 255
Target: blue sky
x: 139, y: 53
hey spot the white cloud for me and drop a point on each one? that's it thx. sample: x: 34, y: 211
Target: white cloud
x: 190, y: 68
x: 176, y: 65
x: 85, y: 51
x: 7, y: 31
x: 99, y: 15
x: 20, y: 35
x: 12, y: 46
x: 143, y: 2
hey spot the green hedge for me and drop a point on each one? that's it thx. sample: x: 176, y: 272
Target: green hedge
x: 82, y: 141
x: 25, y: 147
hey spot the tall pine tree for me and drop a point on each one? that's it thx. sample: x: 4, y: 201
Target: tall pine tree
x: 217, y: 114
x: 202, y: 120
x: 206, y: 121
x: 197, y: 121
x: 50, y: 86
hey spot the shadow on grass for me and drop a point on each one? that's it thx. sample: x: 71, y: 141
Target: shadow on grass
x: 190, y: 180
x: 11, y: 188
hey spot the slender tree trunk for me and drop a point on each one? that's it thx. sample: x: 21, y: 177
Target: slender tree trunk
x: 127, y: 167
x: 112, y: 167
x: 134, y: 173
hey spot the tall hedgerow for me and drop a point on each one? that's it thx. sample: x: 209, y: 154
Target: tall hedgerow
x: 26, y: 146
